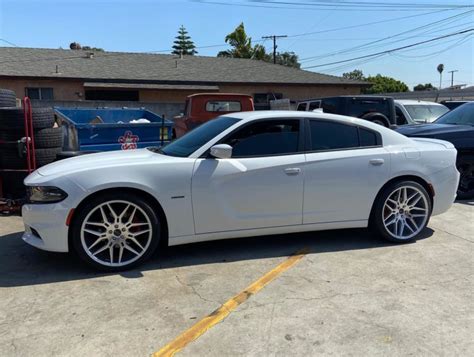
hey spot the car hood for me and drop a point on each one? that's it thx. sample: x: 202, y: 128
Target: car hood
x: 432, y: 129
x: 101, y: 160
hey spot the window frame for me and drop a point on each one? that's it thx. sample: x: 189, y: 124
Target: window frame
x: 308, y: 139
x: 40, y: 92
x: 301, y: 138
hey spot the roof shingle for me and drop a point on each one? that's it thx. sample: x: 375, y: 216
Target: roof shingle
x: 153, y: 68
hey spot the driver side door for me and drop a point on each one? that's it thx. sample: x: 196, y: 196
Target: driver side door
x: 260, y: 186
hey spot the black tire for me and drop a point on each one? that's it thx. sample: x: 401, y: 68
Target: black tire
x: 10, y: 158
x: 11, y: 134
x: 7, y: 98
x: 465, y: 166
x: 376, y: 222
x: 13, y: 118
x: 82, y: 213
x: 49, y: 138
x: 377, y: 118
x: 13, y: 187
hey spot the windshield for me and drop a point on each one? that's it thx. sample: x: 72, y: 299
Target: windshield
x: 189, y: 143
x: 425, y: 113
x: 463, y: 115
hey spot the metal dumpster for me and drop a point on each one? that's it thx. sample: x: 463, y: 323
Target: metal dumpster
x: 105, y: 129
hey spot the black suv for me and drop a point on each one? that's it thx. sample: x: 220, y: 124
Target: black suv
x: 377, y: 109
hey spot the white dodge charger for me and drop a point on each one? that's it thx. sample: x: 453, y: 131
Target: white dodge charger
x: 243, y: 174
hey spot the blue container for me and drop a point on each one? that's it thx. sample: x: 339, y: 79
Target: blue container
x: 106, y: 129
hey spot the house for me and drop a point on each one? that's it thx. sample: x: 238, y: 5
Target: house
x: 70, y: 77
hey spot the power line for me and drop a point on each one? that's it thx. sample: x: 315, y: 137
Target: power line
x: 393, y: 49
x: 274, y: 37
x: 338, y: 6
x: 366, y: 45
x: 10, y: 43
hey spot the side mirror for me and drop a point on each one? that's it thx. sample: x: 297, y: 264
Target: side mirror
x: 221, y: 151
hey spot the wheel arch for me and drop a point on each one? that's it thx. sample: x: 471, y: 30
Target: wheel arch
x: 401, y: 178
x: 143, y: 194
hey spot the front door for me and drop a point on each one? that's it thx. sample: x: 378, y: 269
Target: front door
x: 260, y: 186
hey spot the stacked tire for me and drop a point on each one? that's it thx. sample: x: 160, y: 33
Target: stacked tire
x: 47, y: 136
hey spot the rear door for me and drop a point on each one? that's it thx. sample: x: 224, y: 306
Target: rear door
x: 346, y: 165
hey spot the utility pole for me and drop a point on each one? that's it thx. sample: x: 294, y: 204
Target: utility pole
x: 274, y: 37
x: 452, y: 76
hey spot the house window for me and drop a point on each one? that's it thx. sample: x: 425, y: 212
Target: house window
x: 39, y: 93
x: 118, y: 95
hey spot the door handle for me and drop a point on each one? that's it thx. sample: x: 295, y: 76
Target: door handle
x: 293, y: 171
x: 377, y: 162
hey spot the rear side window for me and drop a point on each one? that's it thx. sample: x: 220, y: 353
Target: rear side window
x: 314, y: 105
x: 223, y: 106
x: 367, y: 138
x: 330, y: 105
x: 264, y: 138
x: 301, y: 107
x: 326, y: 135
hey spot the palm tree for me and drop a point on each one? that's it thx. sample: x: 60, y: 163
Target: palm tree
x: 242, y: 45
x: 440, y: 69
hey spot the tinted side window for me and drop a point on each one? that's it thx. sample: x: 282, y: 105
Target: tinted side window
x: 367, y: 138
x: 314, y: 105
x: 330, y: 105
x: 301, y: 107
x: 326, y: 135
x: 264, y: 138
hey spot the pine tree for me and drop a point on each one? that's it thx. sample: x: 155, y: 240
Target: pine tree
x: 183, y: 43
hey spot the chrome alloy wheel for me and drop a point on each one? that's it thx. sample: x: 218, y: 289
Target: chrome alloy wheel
x: 116, y: 233
x: 405, y: 212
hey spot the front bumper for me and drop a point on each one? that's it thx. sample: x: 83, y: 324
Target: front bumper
x: 45, y: 226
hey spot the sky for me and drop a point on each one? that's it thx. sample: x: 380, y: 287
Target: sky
x: 326, y: 32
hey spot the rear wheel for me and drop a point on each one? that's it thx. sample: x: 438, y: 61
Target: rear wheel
x: 115, y: 232
x: 465, y: 166
x: 401, y: 212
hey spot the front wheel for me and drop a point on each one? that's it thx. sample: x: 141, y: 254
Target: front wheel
x: 115, y: 232
x: 401, y: 212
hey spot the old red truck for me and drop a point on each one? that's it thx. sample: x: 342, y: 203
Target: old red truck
x: 202, y: 107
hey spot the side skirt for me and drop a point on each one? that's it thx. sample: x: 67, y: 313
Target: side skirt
x: 266, y: 231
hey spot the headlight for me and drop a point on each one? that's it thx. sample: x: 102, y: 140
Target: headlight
x: 45, y: 194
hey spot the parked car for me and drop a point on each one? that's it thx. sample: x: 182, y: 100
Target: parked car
x: 452, y: 104
x: 200, y: 108
x: 457, y: 127
x: 245, y: 174
x: 416, y: 111
x: 377, y: 109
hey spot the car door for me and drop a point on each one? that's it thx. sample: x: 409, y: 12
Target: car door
x: 260, y: 186
x: 346, y: 166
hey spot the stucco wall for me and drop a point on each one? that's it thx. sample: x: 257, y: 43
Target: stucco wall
x: 62, y: 90
x: 74, y: 91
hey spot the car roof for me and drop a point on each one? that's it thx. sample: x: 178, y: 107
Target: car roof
x: 357, y: 96
x: 284, y: 114
x: 419, y: 102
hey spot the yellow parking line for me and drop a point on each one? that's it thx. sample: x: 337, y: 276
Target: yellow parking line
x: 195, y: 331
